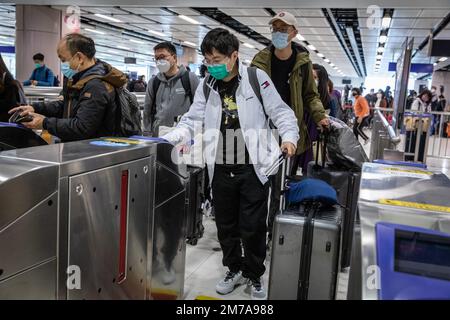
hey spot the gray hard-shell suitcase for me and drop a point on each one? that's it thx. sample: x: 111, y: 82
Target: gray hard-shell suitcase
x: 305, y: 254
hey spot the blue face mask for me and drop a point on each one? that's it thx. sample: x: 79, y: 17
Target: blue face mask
x: 280, y: 40
x: 67, y: 71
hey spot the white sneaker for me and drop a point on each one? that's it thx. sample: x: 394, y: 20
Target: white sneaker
x: 257, y: 289
x: 230, y: 282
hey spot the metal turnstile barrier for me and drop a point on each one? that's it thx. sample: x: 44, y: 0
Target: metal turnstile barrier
x: 95, y: 219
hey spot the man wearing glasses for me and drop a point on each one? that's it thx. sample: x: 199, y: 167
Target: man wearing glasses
x: 239, y: 150
x: 169, y: 93
x: 290, y: 68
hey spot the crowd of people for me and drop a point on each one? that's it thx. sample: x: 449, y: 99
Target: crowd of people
x: 281, y: 89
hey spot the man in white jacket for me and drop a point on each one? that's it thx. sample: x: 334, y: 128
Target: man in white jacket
x: 233, y: 110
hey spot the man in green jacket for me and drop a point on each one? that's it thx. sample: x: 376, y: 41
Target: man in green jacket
x: 290, y: 68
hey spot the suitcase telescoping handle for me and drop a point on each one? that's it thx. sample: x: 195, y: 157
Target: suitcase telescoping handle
x: 322, y: 146
x: 284, y: 161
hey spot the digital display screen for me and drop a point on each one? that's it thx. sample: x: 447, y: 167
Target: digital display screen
x: 422, y: 254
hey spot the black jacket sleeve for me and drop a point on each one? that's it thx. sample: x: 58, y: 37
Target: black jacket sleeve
x: 89, y: 116
x: 50, y: 109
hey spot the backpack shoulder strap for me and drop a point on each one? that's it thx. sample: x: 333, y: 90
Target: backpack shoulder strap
x: 186, y: 83
x: 155, y: 86
x: 206, y: 87
x: 254, y: 82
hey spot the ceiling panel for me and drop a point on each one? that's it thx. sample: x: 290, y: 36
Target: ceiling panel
x: 149, y: 11
x: 253, y: 21
x: 433, y: 13
x: 185, y: 11
x: 406, y: 13
x: 402, y: 23
x: 316, y: 30
x: 427, y: 23
x: 102, y: 10
x: 246, y: 12
x: 312, y: 22
x: 303, y: 12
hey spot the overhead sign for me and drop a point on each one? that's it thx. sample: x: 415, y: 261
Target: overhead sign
x: 7, y: 49
x: 415, y: 67
x: 130, y: 60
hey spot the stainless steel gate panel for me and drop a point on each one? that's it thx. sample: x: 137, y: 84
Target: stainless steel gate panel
x: 36, y: 283
x: 169, y: 249
x: 95, y: 227
x: 21, y: 247
x: 23, y: 184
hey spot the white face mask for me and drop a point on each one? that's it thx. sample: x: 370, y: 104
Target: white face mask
x: 379, y: 95
x: 317, y: 82
x: 163, y: 65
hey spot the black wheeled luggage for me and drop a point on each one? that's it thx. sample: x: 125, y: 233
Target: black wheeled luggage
x: 194, y: 204
x: 346, y: 183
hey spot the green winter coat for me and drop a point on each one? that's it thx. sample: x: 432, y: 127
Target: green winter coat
x: 304, y: 92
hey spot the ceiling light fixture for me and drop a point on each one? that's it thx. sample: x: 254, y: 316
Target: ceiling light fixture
x: 189, y: 43
x: 386, y: 22
x: 107, y: 17
x: 383, y: 39
x: 442, y: 59
x: 137, y: 41
x: 310, y: 46
x: 94, y: 31
x: 320, y: 55
x: 188, y: 19
x: 326, y: 60
x: 248, y: 45
x: 157, y: 33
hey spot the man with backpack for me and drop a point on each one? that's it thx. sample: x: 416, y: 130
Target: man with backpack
x: 289, y: 66
x: 42, y: 75
x: 233, y: 108
x: 169, y: 93
x: 94, y: 104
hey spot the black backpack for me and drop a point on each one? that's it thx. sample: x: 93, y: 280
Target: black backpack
x: 128, y: 113
x: 128, y: 116
x: 185, y: 82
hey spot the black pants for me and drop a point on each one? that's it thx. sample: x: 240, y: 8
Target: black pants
x: 240, y: 204
x: 357, y: 128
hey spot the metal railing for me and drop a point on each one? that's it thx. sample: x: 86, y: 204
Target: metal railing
x: 430, y: 134
x: 423, y: 135
x: 383, y: 136
x: 46, y: 94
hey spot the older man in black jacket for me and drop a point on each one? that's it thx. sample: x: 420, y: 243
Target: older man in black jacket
x: 89, y: 107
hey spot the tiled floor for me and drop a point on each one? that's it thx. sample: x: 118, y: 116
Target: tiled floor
x: 204, y: 268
